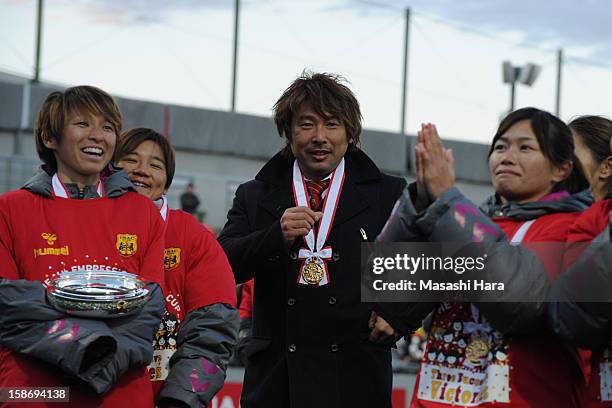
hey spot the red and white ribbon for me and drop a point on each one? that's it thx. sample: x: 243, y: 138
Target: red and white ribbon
x: 521, y: 232
x: 60, y: 190
x: 163, y: 208
x: 315, y: 240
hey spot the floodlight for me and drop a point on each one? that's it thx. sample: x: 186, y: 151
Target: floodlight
x: 508, y: 71
x: 525, y: 75
x: 529, y: 73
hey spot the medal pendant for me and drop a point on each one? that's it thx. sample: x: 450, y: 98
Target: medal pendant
x: 313, y: 272
x: 476, y: 350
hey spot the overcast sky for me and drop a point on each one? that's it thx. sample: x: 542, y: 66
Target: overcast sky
x: 180, y: 52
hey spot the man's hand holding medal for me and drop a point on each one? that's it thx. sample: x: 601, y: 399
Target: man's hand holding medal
x: 297, y: 222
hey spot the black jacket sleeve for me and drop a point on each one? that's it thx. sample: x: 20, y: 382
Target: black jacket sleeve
x: 30, y: 325
x: 197, y: 367
x: 401, y: 225
x: 404, y: 317
x: 134, y: 335
x: 244, y: 246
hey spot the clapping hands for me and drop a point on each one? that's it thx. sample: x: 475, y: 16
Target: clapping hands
x: 435, y: 166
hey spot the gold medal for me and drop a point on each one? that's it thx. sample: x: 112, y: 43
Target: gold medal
x: 313, y: 272
x: 476, y: 350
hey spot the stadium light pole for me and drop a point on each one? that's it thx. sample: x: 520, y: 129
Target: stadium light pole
x: 558, y: 89
x: 235, y: 61
x: 525, y: 75
x: 39, y: 14
x: 27, y: 86
x: 405, y: 72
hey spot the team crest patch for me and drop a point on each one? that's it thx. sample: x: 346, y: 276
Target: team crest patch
x: 127, y: 244
x: 172, y: 257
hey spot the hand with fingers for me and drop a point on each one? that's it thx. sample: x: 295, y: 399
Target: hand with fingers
x: 297, y: 222
x: 435, y: 164
x: 422, y: 199
x: 381, y: 331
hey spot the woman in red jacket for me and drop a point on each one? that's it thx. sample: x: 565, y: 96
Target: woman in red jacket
x: 588, y: 324
x: 200, y: 327
x: 66, y: 218
x: 488, y: 351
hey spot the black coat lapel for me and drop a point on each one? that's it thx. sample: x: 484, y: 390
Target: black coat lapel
x: 360, y: 170
x: 277, y: 201
x: 352, y: 202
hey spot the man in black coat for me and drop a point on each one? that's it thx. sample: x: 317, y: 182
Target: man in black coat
x: 297, y: 228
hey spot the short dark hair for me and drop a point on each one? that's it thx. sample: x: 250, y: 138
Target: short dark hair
x: 596, y: 133
x: 328, y: 96
x: 57, y: 108
x: 130, y: 140
x: 555, y: 140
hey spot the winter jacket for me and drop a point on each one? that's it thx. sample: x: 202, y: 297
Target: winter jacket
x: 199, y: 329
x: 585, y: 318
x: 310, y: 343
x: 76, y: 350
x: 492, y: 352
x: 454, y: 218
x: 583, y: 323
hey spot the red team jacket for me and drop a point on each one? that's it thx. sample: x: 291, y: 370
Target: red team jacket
x: 246, y: 301
x: 519, y: 371
x: 197, y: 274
x: 41, y: 237
x: 588, y: 226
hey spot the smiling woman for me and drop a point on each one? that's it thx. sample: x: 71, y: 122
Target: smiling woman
x: 532, y: 166
x: 85, y: 148
x: 531, y: 156
x: 201, y: 301
x: 148, y: 159
x: 72, y: 220
x: 76, y: 132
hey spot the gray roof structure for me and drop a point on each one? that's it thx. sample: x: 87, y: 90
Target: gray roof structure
x: 216, y: 150
x: 237, y: 134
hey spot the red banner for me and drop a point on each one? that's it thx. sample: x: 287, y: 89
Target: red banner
x: 229, y: 397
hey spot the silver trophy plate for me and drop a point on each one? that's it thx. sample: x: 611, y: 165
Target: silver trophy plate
x: 98, y: 294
